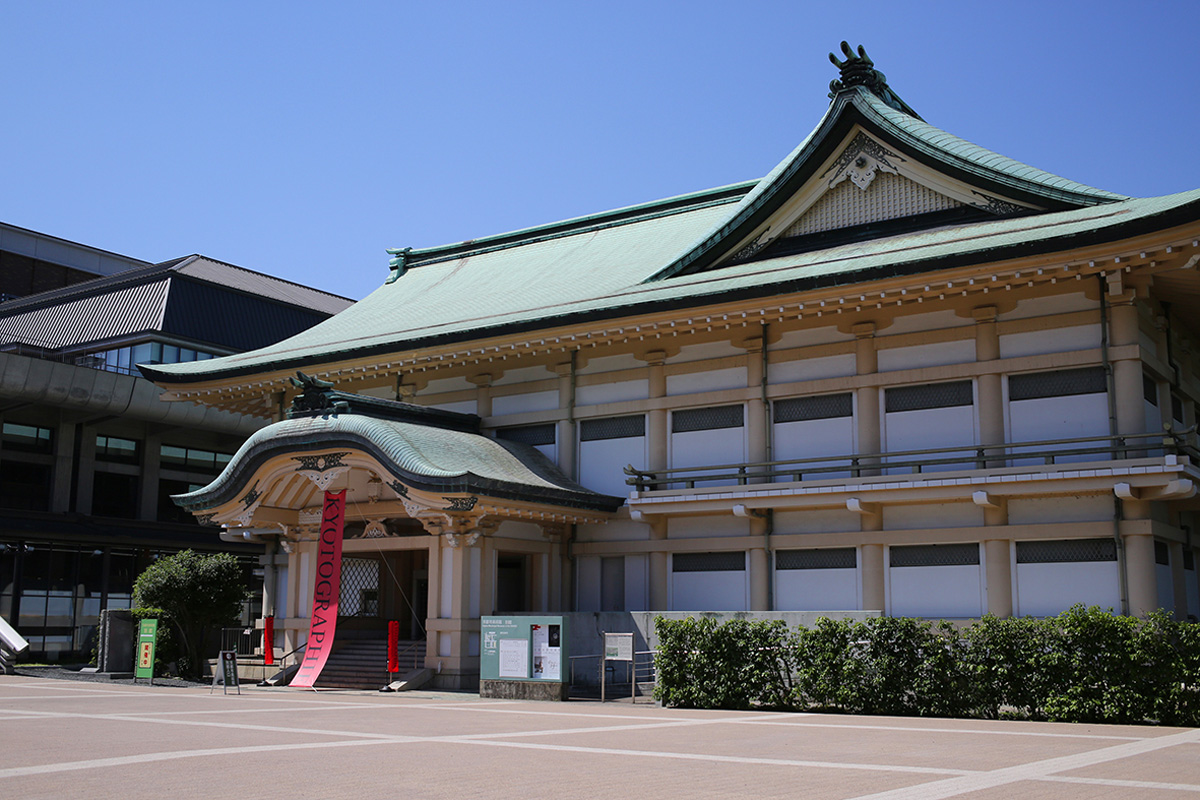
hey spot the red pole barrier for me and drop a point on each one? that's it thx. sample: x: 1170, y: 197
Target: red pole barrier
x: 269, y: 641
x: 393, y: 644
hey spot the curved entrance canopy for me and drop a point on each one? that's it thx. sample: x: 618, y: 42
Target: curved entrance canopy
x: 397, y: 461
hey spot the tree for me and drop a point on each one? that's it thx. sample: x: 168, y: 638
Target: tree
x: 198, y: 591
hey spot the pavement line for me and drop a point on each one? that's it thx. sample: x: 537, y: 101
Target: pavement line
x: 641, y: 726
x: 1116, y: 782
x: 1035, y: 770
x: 918, y: 729
x: 146, y: 758
x: 666, y: 754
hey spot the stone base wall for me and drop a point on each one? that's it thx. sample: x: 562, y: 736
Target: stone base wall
x: 523, y: 690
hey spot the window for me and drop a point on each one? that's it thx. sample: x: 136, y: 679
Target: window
x: 193, y: 459
x: 734, y: 561
x: 535, y: 435
x: 934, y: 555
x: 1063, y: 551
x: 925, y: 396
x: 706, y: 419
x: 823, y: 558
x: 115, y: 449
x: 799, y: 409
x: 27, y: 438
x: 593, y: 430
x: 1060, y: 383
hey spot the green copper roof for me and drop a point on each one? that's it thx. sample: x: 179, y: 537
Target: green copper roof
x: 600, y: 275
x: 422, y: 456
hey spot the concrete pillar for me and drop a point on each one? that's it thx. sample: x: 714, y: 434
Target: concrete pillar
x: 64, y: 462
x: 1127, y: 373
x: 872, y: 577
x: 433, y: 601
x: 483, y: 395
x: 487, y: 576
x: 87, y: 469
x: 867, y: 397
x: 760, y: 581
x: 148, y: 481
x: 758, y: 425
x: 556, y: 574
x: 1139, y: 568
x: 657, y: 434
x: 567, y: 446
x: 998, y: 555
x: 1178, y: 580
x: 991, y: 395
x: 658, y: 567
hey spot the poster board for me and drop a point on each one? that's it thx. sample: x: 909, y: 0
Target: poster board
x: 226, y: 673
x: 532, y: 648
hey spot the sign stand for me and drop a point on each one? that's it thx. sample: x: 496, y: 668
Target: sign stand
x: 226, y: 673
x: 146, y: 643
x: 618, y: 647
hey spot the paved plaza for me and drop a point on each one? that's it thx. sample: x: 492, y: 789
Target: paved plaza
x: 63, y: 739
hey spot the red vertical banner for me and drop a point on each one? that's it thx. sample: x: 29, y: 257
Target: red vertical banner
x: 393, y: 646
x: 326, y: 589
x: 269, y: 641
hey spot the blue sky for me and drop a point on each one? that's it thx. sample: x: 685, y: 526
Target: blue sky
x: 302, y: 139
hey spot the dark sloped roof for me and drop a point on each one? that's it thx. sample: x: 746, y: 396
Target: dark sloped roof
x: 192, y: 298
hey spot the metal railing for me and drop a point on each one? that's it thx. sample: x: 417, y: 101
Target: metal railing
x: 984, y: 456
x: 623, y: 678
x: 243, y: 641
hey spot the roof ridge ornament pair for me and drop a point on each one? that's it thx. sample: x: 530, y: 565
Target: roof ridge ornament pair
x: 859, y: 70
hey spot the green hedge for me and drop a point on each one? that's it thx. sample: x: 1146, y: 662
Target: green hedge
x: 1085, y: 665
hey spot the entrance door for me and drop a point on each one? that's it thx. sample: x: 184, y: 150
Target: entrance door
x: 512, y: 583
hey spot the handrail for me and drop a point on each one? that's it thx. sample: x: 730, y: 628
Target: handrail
x: 984, y: 455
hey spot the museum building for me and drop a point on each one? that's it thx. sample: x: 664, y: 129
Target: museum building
x: 898, y: 373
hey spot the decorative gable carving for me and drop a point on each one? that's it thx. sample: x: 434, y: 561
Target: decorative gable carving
x: 886, y: 196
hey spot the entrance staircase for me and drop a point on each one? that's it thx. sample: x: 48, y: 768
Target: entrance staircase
x: 362, y: 664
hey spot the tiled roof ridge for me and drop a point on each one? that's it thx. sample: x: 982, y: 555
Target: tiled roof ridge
x: 626, y: 215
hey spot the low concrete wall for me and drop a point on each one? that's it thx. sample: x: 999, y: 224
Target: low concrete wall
x: 586, y: 629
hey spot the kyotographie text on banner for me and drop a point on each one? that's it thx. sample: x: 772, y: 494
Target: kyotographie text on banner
x: 326, y: 589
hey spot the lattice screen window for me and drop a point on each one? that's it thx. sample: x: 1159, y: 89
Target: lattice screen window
x: 528, y: 434
x: 1162, y: 554
x: 825, y: 406
x: 734, y: 561
x: 706, y: 419
x: 931, y: 395
x: 1149, y: 390
x: 1060, y: 383
x: 888, y: 197
x: 823, y: 558
x: 592, y: 430
x: 934, y: 555
x: 1063, y: 551
x: 359, y: 596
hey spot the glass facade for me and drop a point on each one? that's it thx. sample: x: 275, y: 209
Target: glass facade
x: 126, y: 359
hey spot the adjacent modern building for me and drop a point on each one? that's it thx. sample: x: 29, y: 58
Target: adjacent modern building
x: 89, y: 455
x: 900, y: 372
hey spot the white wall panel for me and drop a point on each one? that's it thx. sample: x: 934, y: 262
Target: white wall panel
x: 707, y: 381
x: 708, y: 448
x: 929, y: 429
x: 811, y: 336
x: 823, y: 520
x: 813, y: 438
x: 936, y: 592
x: 1070, y: 417
x: 524, y: 375
x: 928, y: 321
x: 616, y: 392
x: 1055, y: 304
x: 602, y: 463
x: 447, y: 582
x: 1059, y: 340
x: 699, y: 352
x: 709, y: 591
x: 926, y: 355
x: 518, y: 403
x: 461, y: 407
x: 811, y: 369
x: 609, y: 363
x: 816, y: 590
x: 1044, y: 590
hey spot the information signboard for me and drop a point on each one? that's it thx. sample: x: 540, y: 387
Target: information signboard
x: 226, y: 672
x: 144, y: 663
x: 618, y: 646
x: 529, y: 648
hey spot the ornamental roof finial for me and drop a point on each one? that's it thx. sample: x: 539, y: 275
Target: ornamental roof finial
x: 859, y: 70
x: 399, y: 264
